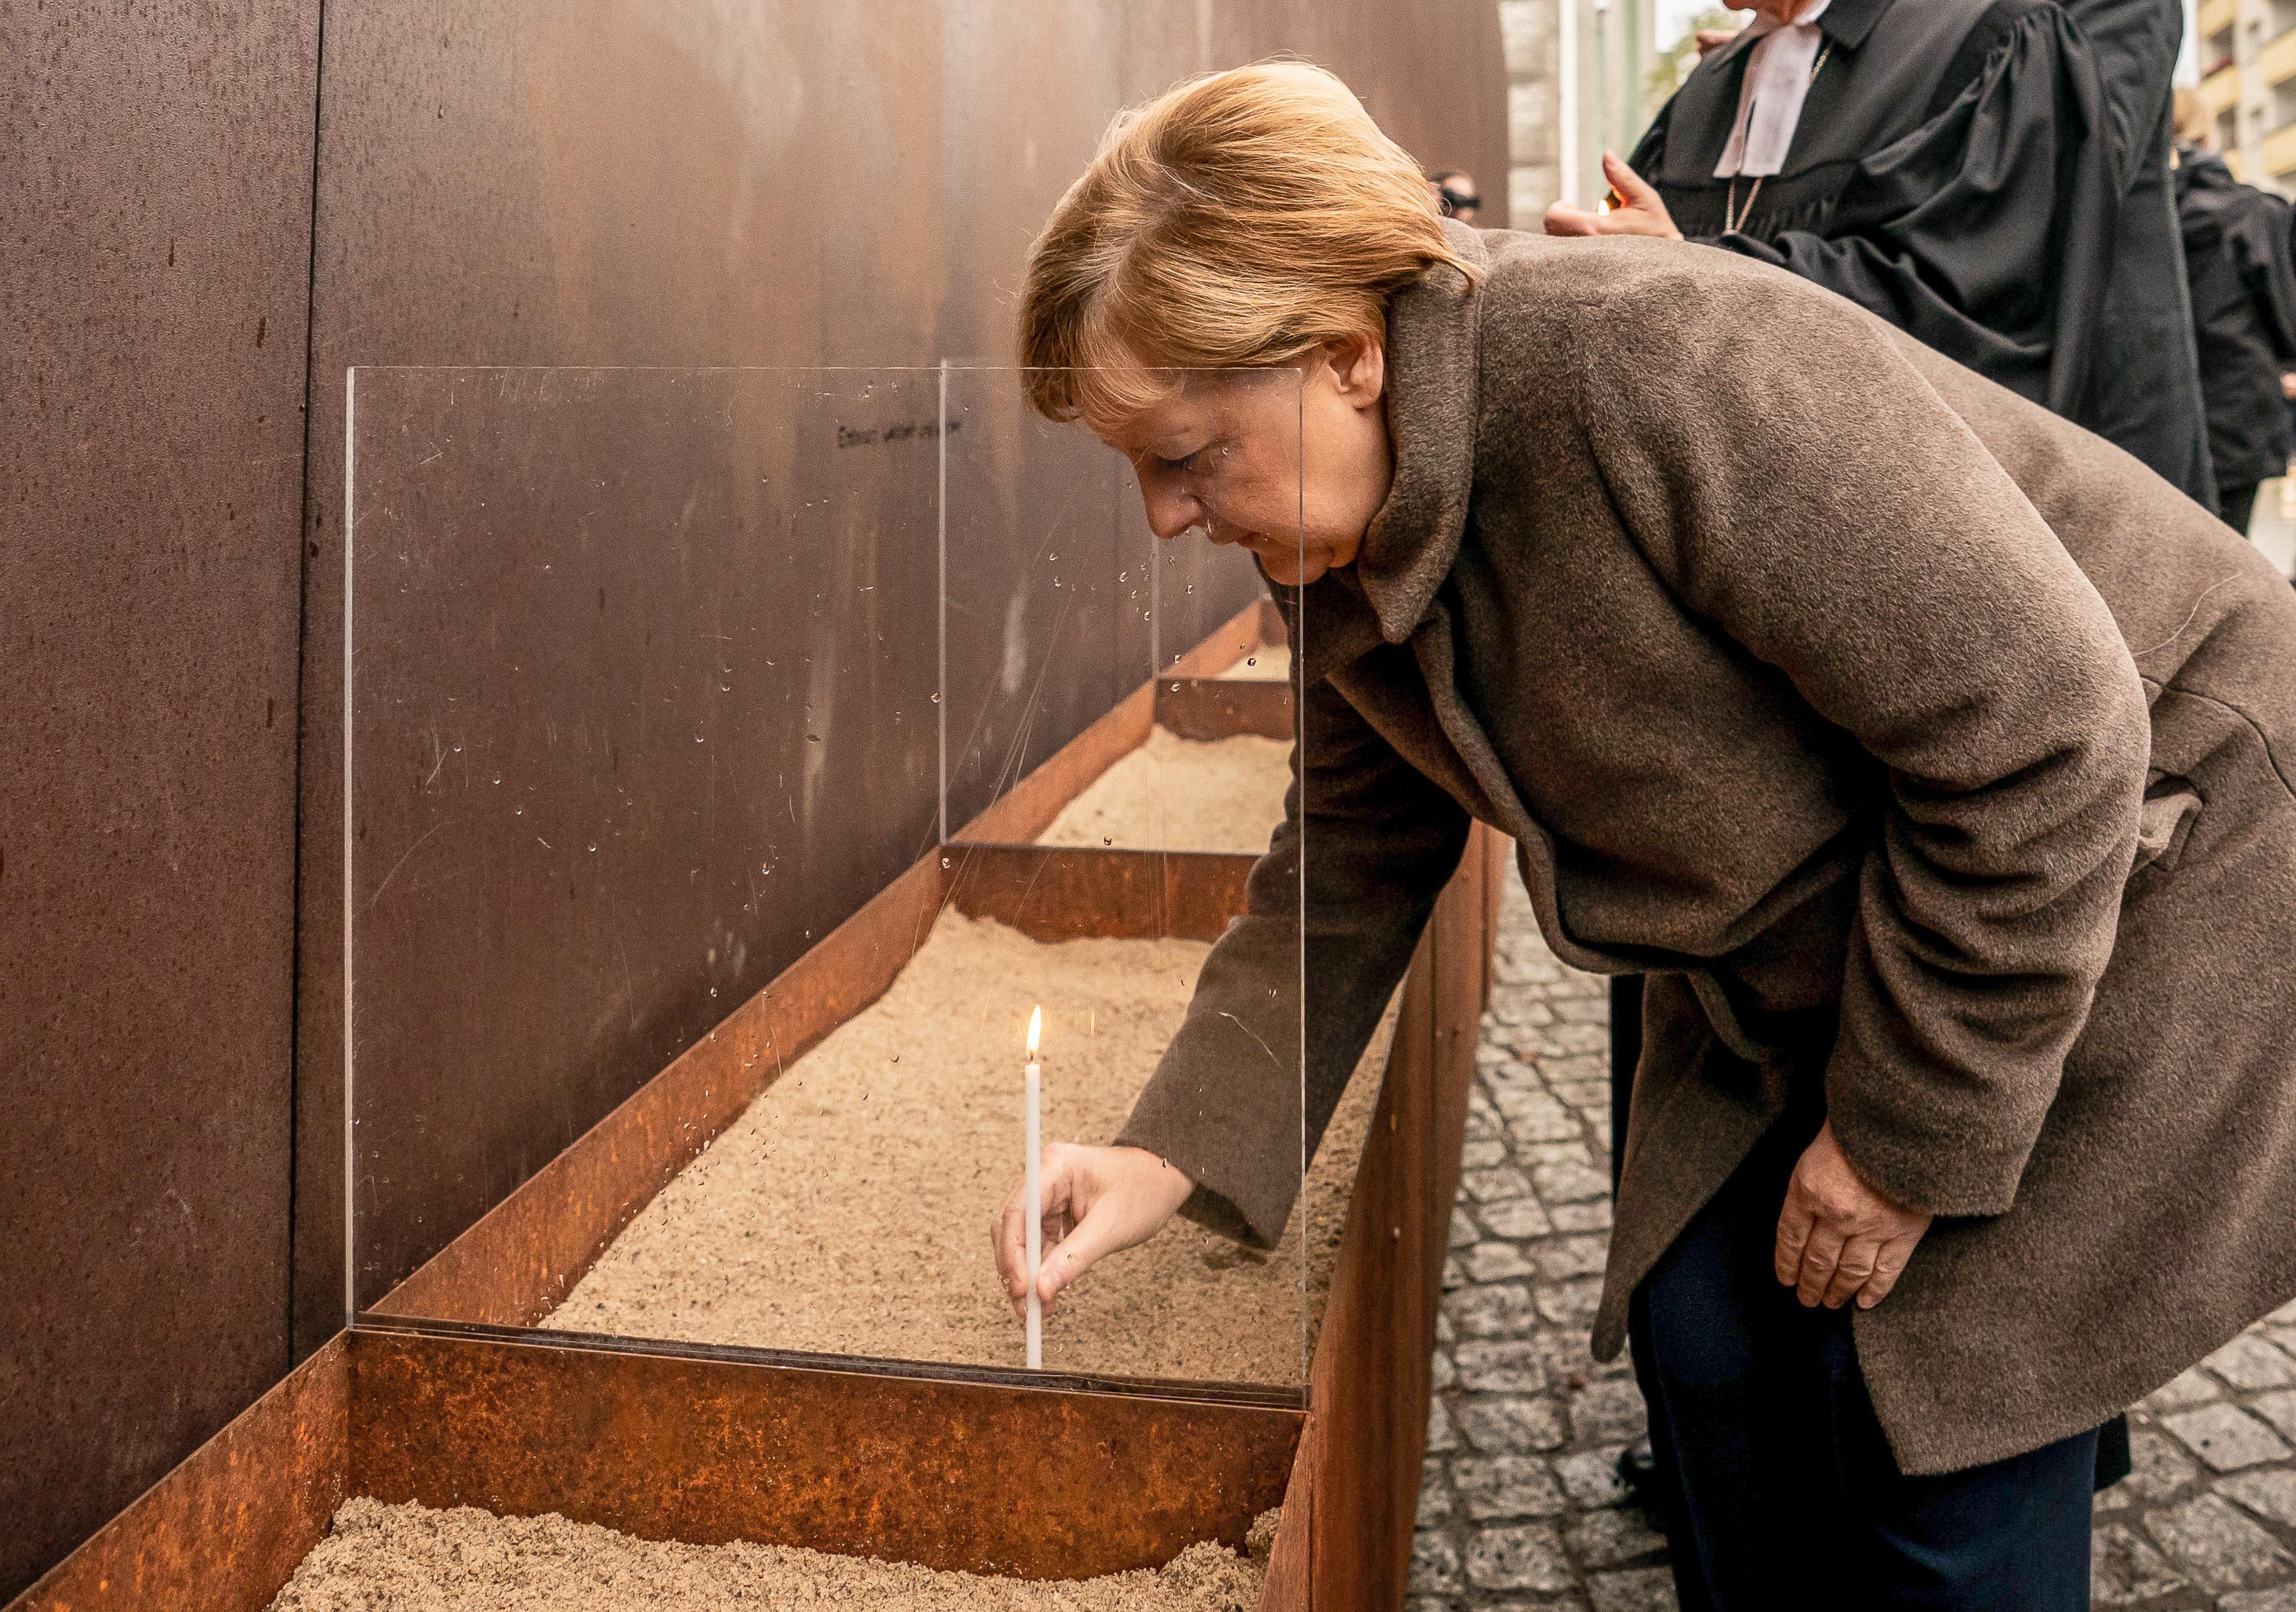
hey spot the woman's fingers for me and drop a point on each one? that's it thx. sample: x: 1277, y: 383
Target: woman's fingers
x: 1008, y: 1228
x: 1888, y: 1265
x: 1819, y: 1258
x: 1794, y: 1222
x: 1564, y: 219
x: 1860, y: 1259
x: 1632, y: 188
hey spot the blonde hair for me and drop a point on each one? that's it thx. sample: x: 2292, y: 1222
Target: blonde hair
x: 1239, y: 220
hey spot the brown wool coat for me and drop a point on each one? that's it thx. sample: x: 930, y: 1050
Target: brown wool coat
x: 1917, y: 744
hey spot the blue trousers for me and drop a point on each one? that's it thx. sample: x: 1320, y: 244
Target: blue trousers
x: 1782, y: 1486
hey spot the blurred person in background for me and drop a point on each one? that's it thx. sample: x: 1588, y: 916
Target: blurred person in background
x: 2244, y: 293
x: 1988, y: 175
x: 1455, y: 195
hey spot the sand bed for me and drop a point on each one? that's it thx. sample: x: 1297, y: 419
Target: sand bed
x: 1175, y: 794
x: 1269, y: 663
x: 846, y: 1210
x: 407, y: 1558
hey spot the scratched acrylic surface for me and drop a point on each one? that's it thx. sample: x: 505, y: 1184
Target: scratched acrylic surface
x: 658, y: 677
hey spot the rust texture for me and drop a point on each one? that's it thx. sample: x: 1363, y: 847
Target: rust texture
x: 1345, y: 1544
x: 615, y: 183
x: 978, y: 1477
x: 155, y: 176
x: 224, y: 1529
x: 1058, y: 893
x: 1208, y: 708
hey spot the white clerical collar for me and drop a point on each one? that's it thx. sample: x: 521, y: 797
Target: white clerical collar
x: 1778, y: 70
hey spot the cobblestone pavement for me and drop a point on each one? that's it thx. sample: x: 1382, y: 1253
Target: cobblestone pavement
x: 1519, y: 1505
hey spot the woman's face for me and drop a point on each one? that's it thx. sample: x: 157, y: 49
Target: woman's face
x: 1292, y: 472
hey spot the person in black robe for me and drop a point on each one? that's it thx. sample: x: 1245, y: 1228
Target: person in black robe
x: 2243, y: 293
x: 1990, y: 175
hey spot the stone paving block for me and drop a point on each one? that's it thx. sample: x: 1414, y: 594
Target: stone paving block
x: 1588, y: 1096
x: 1500, y: 1311
x: 1594, y: 1215
x: 1639, y: 1590
x: 2269, y: 1492
x: 1495, y: 1262
x: 2158, y: 1468
x: 2125, y: 1569
x: 1562, y: 1257
x: 1482, y: 1155
x: 2283, y: 1599
x: 1434, y: 1494
x: 1495, y: 1186
x: 1443, y: 1371
x: 1539, y: 1156
x: 1569, y: 1182
x: 2248, y: 1362
x: 1455, y: 1274
x: 2193, y: 1387
x: 1607, y: 1412
x: 1526, y: 1555
x: 2210, y: 1539
x: 1430, y: 1603
x: 2226, y: 1436
x: 1522, y: 1218
x: 1499, y: 1488
x: 2278, y: 1408
x: 1434, y: 1563
x: 1462, y: 1230
x: 1574, y: 1301
x: 1590, y: 1477
x: 1509, y: 1367
x: 1619, y: 1538
x: 1510, y: 1423
x: 1536, y: 1116
x: 1585, y: 1009
x: 1441, y: 1434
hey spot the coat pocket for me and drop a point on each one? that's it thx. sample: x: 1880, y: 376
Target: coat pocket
x: 2165, y: 825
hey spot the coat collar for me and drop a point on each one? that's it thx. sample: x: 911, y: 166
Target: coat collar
x: 1845, y: 23
x: 1434, y: 334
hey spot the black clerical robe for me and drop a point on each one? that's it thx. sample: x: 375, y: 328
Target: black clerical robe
x: 1982, y: 174
x: 2237, y: 259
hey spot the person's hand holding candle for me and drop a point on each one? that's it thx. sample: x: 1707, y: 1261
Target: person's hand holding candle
x: 1109, y: 1199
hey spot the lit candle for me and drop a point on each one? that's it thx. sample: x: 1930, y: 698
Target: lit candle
x: 1033, y: 1126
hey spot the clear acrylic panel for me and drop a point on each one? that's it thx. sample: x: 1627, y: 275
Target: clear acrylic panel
x: 697, y: 727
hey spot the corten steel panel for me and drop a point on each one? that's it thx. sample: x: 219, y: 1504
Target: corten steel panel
x: 227, y: 1527
x: 611, y: 182
x: 1345, y: 1544
x: 630, y: 686
x: 1061, y: 893
x: 978, y: 1477
x: 1212, y: 708
x: 155, y: 173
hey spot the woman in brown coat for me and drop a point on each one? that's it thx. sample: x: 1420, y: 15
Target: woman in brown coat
x: 1931, y: 756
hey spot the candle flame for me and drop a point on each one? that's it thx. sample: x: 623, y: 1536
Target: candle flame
x: 1035, y: 1029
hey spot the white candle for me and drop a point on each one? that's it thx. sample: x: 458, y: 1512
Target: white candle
x: 1033, y: 1126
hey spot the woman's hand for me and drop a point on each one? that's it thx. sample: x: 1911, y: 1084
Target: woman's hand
x: 1838, y: 1238
x: 1640, y: 212
x: 1109, y: 1198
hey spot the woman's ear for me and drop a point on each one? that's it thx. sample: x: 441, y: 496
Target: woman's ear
x: 1358, y: 370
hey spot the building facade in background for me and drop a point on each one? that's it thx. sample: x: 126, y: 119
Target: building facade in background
x: 1579, y: 75
x: 2246, y: 58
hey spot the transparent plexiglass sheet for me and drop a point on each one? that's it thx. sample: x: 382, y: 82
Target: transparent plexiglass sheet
x: 666, y: 686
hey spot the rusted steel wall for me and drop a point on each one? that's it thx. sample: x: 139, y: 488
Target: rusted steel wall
x: 155, y: 174
x: 691, y: 184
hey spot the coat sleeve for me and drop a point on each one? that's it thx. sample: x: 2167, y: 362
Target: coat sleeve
x: 1379, y: 841
x: 1986, y: 232
x: 1797, y: 483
